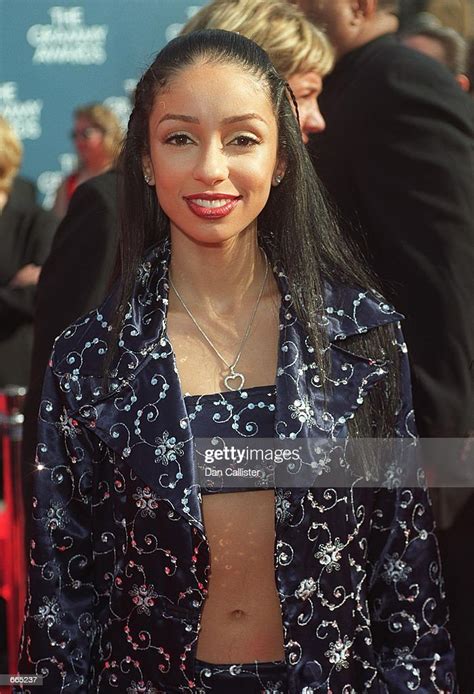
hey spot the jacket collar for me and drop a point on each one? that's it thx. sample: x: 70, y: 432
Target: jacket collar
x: 143, y: 418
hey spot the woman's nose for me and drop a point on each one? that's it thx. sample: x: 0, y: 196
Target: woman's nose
x: 211, y: 166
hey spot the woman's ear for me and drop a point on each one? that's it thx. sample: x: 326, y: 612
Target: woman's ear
x: 148, y: 174
x: 279, y: 172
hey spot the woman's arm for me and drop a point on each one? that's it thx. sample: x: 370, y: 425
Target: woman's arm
x: 59, y: 624
x: 407, y: 600
x: 17, y: 299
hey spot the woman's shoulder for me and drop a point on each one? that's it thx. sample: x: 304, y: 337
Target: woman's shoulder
x: 82, y: 348
x: 350, y: 310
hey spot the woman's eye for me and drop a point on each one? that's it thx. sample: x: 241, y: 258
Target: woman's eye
x: 178, y: 139
x: 244, y: 141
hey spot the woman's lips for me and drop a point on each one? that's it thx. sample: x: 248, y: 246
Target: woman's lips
x: 211, y: 206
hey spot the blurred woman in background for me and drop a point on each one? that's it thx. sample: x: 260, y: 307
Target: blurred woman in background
x: 300, y: 52
x: 26, y: 233
x: 97, y: 135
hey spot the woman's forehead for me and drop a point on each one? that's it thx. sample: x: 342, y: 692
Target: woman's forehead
x: 207, y: 86
x: 228, y: 71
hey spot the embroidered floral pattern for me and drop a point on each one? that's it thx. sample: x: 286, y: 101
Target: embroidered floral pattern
x: 302, y: 411
x: 168, y: 449
x: 146, y: 501
x: 306, y: 588
x: 330, y: 554
x: 143, y: 597
x: 56, y: 516
x: 49, y: 613
x: 338, y: 653
x: 142, y: 688
x: 395, y: 569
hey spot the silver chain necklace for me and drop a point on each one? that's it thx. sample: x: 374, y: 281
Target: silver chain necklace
x: 234, y: 379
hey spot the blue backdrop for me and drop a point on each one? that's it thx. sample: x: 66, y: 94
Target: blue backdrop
x: 54, y: 57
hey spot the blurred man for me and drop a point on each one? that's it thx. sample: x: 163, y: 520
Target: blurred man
x: 443, y: 44
x: 397, y: 156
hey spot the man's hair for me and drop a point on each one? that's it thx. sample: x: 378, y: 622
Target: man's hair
x: 455, y: 47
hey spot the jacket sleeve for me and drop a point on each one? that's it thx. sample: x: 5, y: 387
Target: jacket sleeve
x: 406, y: 594
x: 59, y: 625
x: 17, y: 304
x: 75, y: 279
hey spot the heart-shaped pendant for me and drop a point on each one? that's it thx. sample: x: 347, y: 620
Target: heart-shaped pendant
x: 234, y: 381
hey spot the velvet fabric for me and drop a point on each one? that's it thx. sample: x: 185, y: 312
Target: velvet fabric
x: 119, y: 561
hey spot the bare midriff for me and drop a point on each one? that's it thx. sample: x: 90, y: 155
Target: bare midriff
x: 241, y: 620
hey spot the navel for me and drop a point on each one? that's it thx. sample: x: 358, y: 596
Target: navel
x: 237, y: 614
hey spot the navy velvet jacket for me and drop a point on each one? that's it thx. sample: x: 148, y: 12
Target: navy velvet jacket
x: 119, y: 561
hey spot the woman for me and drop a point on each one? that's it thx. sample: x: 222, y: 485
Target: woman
x: 246, y: 315
x: 300, y: 52
x: 26, y: 233
x: 97, y: 135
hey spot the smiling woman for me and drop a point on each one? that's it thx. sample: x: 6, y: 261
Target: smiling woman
x: 241, y: 313
x: 213, y: 159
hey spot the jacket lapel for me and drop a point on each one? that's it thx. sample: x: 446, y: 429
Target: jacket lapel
x: 312, y: 409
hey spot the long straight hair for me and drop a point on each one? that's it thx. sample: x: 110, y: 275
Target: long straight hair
x: 297, y: 227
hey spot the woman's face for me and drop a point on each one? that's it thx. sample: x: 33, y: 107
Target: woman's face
x: 307, y: 86
x: 213, y: 151
x: 88, y: 141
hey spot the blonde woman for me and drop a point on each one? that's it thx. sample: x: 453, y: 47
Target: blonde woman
x: 97, y: 135
x: 300, y: 52
x: 26, y: 233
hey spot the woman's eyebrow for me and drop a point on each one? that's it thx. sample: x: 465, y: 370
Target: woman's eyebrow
x: 192, y: 119
x: 178, y: 116
x: 244, y: 116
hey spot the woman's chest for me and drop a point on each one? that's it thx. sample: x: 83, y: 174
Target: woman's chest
x: 204, y: 357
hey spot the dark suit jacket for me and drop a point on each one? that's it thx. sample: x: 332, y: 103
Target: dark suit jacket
x: 397, y: 157
x: 26, y: 234
x: 23, y: 192
x: 75, y: 279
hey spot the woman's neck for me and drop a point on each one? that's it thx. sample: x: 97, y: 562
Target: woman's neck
x: 217, y: 278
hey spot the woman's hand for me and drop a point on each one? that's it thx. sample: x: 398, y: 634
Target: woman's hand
x: 26, y: 276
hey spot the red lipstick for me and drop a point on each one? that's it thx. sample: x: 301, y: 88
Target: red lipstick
x: 211, y: 205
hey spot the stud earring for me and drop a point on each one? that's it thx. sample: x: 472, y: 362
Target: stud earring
x: 147, y: 178
x: 277, y: 180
